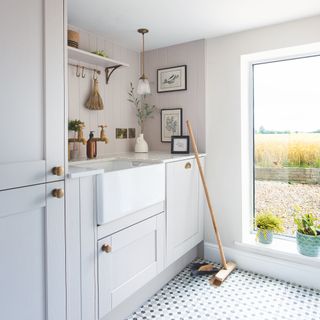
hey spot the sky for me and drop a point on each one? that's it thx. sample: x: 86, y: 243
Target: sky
x: 287, y: 95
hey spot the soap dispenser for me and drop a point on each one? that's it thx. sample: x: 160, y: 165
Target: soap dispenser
x: 91, y: 146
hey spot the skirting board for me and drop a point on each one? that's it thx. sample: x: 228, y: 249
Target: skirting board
x: 135, y: 301
x: 277, y: 268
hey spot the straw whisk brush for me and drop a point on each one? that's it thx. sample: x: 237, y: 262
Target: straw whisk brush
x: 94, y: 101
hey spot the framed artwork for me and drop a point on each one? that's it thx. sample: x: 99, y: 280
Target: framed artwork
x: 179, y: 144
x: 171, y: 123
x: 172, y: 79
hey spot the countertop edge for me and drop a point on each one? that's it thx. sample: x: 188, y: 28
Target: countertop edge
x: 76, y: 171
x: 186, y: 157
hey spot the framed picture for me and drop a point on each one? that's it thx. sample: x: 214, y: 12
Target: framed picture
x: 180, y: 144
x: 171, y: 123
x: 172, y: 79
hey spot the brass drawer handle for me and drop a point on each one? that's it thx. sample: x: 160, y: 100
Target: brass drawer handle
x: 58, y: 171
x: 106, y: 248
x: 58, y: 193
x: 187, y: 165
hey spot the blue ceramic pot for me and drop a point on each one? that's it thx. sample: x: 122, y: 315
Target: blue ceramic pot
x: 308, y: 245
x: 265, y: 236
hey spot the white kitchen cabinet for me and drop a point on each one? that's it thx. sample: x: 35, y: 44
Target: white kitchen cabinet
x: 184, y: 208
x: 135, y: 256
x: 32, y: 130
x: 32, y: 91
x: 32, y: 267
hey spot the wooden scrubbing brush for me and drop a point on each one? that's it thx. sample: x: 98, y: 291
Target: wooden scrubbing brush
x: 94, y: 101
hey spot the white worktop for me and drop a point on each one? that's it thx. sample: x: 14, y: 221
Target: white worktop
x: 77, y: 168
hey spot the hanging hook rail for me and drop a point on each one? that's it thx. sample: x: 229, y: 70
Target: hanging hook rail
x: 78, y: 66
x: 77, y: 72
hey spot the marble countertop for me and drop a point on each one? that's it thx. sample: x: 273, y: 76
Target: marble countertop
x: 77, y: 168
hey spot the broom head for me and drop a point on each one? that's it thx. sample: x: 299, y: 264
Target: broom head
x: 94, y: 101
x: 223, y: 274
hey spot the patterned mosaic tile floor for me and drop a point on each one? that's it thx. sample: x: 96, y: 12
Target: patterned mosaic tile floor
x: 244, y: 295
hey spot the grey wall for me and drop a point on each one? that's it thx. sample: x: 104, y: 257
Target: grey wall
x: 192, y: 101
x: 223, y: 116
x: 118, y: 112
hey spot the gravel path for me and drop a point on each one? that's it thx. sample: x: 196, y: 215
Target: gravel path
x: 281, y: 197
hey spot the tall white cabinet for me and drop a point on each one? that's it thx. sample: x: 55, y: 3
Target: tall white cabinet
x: 32, y: 91
x: 32, y: 230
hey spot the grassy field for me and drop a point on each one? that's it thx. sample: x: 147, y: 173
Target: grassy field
x: 288, y: 150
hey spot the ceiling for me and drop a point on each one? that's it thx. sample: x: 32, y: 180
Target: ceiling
x: 175, y: 21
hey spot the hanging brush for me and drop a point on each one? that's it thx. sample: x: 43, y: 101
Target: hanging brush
x: 94, y: 101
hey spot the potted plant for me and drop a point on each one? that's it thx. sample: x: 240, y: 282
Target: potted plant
x: 308, y: 233
x: 143, y: 112
x: 75, y: 126
x: 267, y: 223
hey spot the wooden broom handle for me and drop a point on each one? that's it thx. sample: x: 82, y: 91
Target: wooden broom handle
x: 213, y: 218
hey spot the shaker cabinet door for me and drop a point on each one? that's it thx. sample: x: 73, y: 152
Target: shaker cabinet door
x: 32, y: 91
x: 32, y: 281
x: 129, y: 259
x: 184, y: 208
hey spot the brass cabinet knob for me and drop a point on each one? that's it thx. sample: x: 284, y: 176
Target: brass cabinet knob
x: 58, y: 193
x: 187, y: 165
x: 106, y: 248
x: 58, y: 171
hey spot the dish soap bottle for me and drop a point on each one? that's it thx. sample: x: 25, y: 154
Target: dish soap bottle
x: 91, y: 146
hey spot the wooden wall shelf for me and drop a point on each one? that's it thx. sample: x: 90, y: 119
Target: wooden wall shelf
x: 109, y: 65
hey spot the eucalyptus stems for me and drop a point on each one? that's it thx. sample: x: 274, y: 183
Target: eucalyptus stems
x: 144, y: 111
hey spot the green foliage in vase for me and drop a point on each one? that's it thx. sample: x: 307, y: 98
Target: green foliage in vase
x: 306, y: 222
x: 144, y: 111
x: 75, y: 125
x: 266, y: 221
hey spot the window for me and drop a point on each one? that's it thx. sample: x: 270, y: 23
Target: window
x: 286, y: 139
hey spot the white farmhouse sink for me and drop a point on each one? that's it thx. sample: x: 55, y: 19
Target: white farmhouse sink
x: 127, y: 186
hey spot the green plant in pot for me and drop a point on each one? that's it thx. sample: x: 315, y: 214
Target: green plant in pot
x: 267, y: 224
x: 308, y: 233
x: 144, y: 111
x: 75, y: 126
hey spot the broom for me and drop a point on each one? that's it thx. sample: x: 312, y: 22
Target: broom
x: 228, y: 267
x: 94, y: 101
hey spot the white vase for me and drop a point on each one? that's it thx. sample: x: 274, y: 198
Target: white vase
x: 141, y: 144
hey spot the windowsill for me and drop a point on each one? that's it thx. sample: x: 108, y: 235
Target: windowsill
x: 284, y: 249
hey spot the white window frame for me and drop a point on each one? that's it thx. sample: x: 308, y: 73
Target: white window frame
x: 247, y: 152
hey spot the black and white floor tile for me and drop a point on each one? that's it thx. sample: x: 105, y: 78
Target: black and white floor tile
x: 244, y: 296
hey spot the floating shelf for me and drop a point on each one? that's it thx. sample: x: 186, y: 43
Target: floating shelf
x: 108, y: 64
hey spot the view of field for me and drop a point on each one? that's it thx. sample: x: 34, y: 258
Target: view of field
x: 293, y: 150
x: 286, y: 100
x: 288, y: 150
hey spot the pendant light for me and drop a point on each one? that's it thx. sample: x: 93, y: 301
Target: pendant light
x: 143, y: 84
